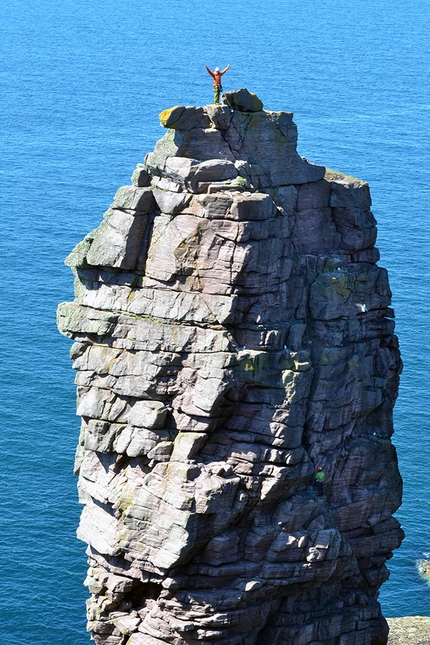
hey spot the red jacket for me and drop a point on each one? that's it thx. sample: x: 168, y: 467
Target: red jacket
x: 217, y: 75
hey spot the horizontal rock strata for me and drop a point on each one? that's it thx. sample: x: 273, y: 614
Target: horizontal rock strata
x: 233, y: 332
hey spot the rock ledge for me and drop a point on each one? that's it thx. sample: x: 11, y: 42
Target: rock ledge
x: 409, y: 630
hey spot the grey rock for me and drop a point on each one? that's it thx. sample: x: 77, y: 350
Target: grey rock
x: 184, y: 118
x: 116, y: 243
x: 409, y: 629
x: 199, y: 144
x: 205, y: 145
x: 314, y: 195
x: 135, y: 199
x: 140, y: 176
x: 219, y: 115
x: 232, y: 332
x: 242, y: 100
x: 315, y: 231
x: 268, y: 140
x: 166, y: 183
x: 147, y: 414
x: 171, y: 203
x: 167, y: 146
x: 190, y: 172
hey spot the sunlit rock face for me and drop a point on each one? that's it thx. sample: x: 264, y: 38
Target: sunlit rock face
x: 232, y: 333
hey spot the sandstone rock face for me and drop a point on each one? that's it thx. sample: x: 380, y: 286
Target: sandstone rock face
x: 233, y: 332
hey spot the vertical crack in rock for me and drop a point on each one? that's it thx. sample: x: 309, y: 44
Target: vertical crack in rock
x: 232, y: 333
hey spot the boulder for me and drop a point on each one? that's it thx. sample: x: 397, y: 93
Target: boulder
x: 242, y: 100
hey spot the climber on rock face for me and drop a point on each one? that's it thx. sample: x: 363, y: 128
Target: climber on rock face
x: 216, y: 75
x: 319, y: 480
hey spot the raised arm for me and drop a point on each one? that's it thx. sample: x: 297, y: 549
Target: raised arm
x: 224, y: 70
x: 210, y: 71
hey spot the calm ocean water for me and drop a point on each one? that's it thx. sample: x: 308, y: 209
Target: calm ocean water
x: 82, y: 84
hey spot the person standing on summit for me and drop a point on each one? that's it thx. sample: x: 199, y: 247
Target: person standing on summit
x: 216, y: 75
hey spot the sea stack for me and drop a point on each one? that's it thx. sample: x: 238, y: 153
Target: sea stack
x: 232, y: 333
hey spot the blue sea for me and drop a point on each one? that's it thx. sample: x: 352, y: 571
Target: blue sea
x: 81, y: 86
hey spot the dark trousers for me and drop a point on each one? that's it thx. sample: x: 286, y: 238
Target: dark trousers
x: 320, y: 487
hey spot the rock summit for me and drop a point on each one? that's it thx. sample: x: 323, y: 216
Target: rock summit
x: 232, y: 332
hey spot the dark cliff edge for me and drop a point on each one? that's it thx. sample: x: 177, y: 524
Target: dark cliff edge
x: 232, y: 333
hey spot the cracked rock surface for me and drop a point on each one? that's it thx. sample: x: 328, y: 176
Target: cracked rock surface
x: 233, y: 331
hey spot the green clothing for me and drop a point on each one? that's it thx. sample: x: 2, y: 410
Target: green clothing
x: 217, y: 92
x: 319, y: 476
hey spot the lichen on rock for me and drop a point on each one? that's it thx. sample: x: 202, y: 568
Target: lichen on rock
x: 233, y: 332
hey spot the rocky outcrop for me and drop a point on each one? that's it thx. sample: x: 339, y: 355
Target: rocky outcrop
x: 423, y: 568
x: 409, y: 630
x: 233, y: 332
